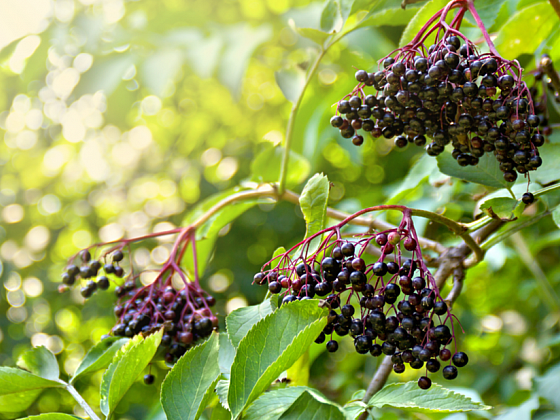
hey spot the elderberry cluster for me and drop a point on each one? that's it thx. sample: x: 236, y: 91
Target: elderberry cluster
x: 450, y: 94
x: 90, y: 268
x: 391, y: 306
x: 185, y: 314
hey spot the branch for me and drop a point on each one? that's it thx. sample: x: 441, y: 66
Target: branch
x: 292, y: 120
x: 515, y: 227
x: 556, y: 6
x: 548, y: 66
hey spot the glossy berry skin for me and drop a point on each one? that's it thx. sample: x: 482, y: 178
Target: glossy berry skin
x: 449, y: 372
x: 445, y: 355
x: 332, y: 346
x: 103, y: 283
x: 528, y: 198
x: 460, y: 359
x: 424, y: 382
x: 118, y: 256
x: 149, y: 379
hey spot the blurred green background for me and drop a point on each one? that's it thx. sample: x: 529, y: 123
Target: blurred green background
x: 118, y: 117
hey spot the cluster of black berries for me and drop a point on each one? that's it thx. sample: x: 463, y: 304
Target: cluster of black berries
x: 398, y: 310
x: 90, y: 268
x: 539, y: 90
x: 185, y: 315
x: 452, y: 95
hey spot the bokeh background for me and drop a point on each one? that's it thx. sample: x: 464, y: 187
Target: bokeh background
x: 118, y: 117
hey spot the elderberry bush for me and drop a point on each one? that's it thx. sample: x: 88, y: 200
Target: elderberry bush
x: 389, y: 307
x: 185, y: 315
x: 447, y: 93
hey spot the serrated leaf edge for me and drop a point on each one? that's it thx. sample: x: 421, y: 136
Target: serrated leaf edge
x: 451, y: 393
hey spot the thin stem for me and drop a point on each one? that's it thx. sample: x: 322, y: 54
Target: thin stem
x: 547, y: 291
x: 292, y: 119
x: 478, y: 20
x: 511, y: 193
x: 455, y: 227
x: 515, y: 227
x: 368, y: 222
x: 477, y: 224
x: 79, y: 399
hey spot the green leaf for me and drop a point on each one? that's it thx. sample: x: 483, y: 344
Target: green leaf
x: 548, y: 172
x: 421, y: 17
x: 291, y: 82
x: 525, y: 30
x: 222, y: 388
x: 353, y: 409
x: 391, y: 16
x: 52, y: 416
x: 241, y: 41
x: 125, y: 368
x: 220, y: 413
x: 409, y: 396
x: 41, y: 362
x: 330, y: 15
x: 488, y: 11
x: 548, y: 384
x: 226, y: 355
x: 298, y: 373
x: 99, y: 356
x: 19, y: 388
x: 240, y: 321
x: 266, y: 166
x: 189, y: 385
x: 160, y: 69
x: 556, y: 216
x: 522, y: 412
x: 500, y: 208
x: 313, y: 203
x: 271, y: 347
x: 310, y: 406
x: 288, y: 403
x: 106, y: 74
x: 487, y: 172
x: 313, y: 34
x: 417, y: 176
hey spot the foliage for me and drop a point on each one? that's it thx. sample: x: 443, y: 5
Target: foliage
x: 122, y: 118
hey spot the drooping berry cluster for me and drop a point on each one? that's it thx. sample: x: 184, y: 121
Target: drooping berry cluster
x: 90, y: 268
x: 184, y: 314
x: 451, y: 94
x: 391, y: 306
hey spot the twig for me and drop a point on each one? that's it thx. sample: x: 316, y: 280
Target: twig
x: 515, y: 227
x: 556, y: 6
x: 370, y: 222
x: 546, y: 61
